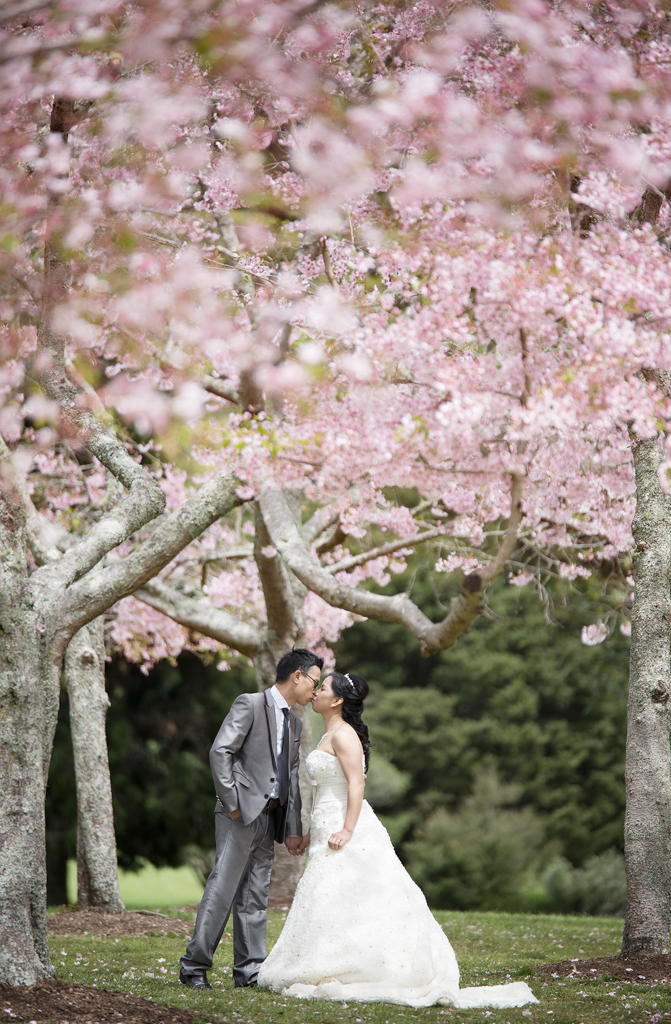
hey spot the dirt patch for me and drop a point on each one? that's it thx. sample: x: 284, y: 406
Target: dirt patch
x: 274, y: 903
x: 132, y: 922
x: 639, y: 970
x: 280, y: 903
x: 59, y: 1003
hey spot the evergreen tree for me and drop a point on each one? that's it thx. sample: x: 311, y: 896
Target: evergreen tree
x: 518, y: 696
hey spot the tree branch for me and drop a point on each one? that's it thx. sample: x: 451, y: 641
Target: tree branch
x: 397, y: 608
x: 218, y: 555
x: 330, y: 539
x: 286, y: 538
x: 328, y: 266
x: 18, y: 10
x: 660, y: 378
x: 385, y: 549
x: 277, y: 592
x: 201, y: 617
x: 29, y: 53
x: 468, y: 603
x: 221, y: 388
x: 651, y: 203
x: 326, y: 517
x: 42, y: 546
x: 93, y: 594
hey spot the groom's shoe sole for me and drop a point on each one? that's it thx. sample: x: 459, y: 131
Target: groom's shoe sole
x: 197, y: 981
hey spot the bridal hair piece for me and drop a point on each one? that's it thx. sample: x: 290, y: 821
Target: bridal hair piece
x: 348, y: 678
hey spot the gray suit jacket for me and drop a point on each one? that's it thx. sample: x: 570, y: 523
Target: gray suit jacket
x: 243, y: 759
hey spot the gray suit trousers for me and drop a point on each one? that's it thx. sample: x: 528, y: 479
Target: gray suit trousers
x: 239, y: 881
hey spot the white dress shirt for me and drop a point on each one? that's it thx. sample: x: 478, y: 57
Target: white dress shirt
x: 279, y: 723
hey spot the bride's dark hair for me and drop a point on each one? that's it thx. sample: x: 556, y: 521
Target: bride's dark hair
x: 353, y: 689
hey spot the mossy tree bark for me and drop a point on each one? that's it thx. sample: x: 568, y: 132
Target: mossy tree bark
x: 28, y: 712
x: 647, y: 831
x: 97, y: 876
x: 647, y: 826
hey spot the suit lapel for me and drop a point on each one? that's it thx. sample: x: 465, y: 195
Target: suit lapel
x: 271, y: 722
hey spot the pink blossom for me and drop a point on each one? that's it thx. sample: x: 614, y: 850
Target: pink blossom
x: 594, y: 634
x: 378, y: 245
x: 520, y: 579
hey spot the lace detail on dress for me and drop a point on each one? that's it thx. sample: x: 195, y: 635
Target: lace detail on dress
x: 322, y: 766
x: 329, y: 804
x: 359, y: 927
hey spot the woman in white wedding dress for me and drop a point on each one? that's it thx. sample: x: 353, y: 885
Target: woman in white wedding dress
x: 359, y: 927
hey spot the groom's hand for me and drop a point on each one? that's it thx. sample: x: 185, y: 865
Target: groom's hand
x: 292, y: 844
x: 234, y: 814
x: 305, y: 842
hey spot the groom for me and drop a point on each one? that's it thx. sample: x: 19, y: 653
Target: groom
x: 254, y: 761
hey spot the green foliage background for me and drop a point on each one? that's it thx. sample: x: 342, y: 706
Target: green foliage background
x: 497, y: 765
x: 512, y: 747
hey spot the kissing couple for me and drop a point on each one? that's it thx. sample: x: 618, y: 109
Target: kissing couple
x: 359, y: 927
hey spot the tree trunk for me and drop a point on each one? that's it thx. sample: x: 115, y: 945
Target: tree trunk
x: 306, y: 747
x: 287, y: 873
x: 97, y: 875
x: 647, y: 830
x: 28, y: 711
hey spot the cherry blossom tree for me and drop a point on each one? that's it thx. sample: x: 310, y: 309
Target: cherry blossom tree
x: 510, y: 357
x: 387, y: 276
x: 49, y: 594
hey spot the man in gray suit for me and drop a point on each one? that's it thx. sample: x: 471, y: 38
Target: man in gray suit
x: 254, y: 761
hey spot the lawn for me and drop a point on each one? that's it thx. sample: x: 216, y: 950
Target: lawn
x: 150, y: 887
x: 490, y: 949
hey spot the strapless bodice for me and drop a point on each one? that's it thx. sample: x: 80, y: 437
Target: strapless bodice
x: 323, y: 767
x: 328, y: 780
x: 329, y: 799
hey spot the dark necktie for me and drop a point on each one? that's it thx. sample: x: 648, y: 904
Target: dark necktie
x: 283, y: 761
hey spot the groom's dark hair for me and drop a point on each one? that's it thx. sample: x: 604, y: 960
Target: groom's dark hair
x: 299, y: 658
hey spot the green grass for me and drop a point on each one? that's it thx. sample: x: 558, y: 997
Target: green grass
x: 490, y: 948
x: 150, y: 887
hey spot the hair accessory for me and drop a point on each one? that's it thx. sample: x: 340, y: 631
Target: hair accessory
x: 346, y: 676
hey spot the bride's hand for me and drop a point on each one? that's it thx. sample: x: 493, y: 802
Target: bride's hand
x: 340, y: 839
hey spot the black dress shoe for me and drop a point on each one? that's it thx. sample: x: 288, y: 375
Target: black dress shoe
x: 194, y: 980
x: 245, y: 984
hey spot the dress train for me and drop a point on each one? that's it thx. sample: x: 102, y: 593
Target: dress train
x: 359, y: 927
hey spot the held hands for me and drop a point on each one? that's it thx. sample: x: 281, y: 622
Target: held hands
x: 293, y: 845
x: 340, y: 839
x: 297, y: 845
x: 305, y: 842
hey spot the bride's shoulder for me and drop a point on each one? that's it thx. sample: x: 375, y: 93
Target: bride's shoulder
x: 346, y: 739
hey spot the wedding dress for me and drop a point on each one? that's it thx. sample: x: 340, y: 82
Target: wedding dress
x: 359, y: 927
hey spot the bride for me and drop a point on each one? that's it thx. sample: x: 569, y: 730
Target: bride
x: 359, y: 927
